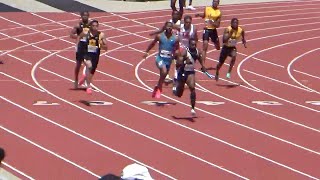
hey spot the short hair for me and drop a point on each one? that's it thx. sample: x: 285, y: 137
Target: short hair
x: 2, y: 154
x: 187, y: 17
x: 234, y: 19
x: 168, y: 22
x: 83, y: 12
x: 94, y: 21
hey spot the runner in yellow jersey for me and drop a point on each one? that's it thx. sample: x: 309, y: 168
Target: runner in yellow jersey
x: 231, y: 36
x: 95, y: 41
x: 212, y: 16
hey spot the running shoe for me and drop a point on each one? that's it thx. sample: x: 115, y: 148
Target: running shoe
x: 228, y: 75
x: 89, y: 90
x: 193, y: 112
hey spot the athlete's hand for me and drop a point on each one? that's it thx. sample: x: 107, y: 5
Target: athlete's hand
x: 203, y: 69
x: 244, y: 42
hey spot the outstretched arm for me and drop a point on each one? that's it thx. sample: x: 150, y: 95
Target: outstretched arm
x: 195, y: 34
x: 202, y: 15
x: 244, y: 42
x: 151, y: 45
x: 158, y: 31
x: 203, y: 68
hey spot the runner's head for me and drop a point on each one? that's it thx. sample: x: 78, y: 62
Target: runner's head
x: 234, y: 23
x: 192, y: 44
x: 187, y: 21
x: 94, y: 24
x: 176, y: 16
x: 168, y: 27
x: 84, y: 16
x: 215, y: 3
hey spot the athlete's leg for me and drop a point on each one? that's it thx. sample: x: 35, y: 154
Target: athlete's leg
x: 215, y: 39
x: 79, y: 60
x: 181, y: 80
x: 163, y: 71
x: 222, y: 58
x: 233, y: 55
x: 173, y: 5
x: 205, y: 38
x: 191, y: 84
x: 181, y: 5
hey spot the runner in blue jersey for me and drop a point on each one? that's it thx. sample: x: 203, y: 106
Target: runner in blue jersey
x: 168, y: 45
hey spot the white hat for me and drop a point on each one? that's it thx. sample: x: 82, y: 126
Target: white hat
x: 135, y: 171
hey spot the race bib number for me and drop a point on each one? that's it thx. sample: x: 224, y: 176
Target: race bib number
x: 232, y: 42
x: 165, y: 54
x: 92, y: 49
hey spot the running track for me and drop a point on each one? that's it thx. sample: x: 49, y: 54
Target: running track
x: 262, y: 124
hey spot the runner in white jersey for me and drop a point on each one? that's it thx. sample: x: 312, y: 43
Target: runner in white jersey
x: 187, y: 31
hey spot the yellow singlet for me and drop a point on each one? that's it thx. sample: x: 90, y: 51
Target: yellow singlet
x: 235, y: 37
x: 210, y: 16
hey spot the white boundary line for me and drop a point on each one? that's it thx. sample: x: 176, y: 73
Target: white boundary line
x: 293, y: 61
x: 269, y: 94
x: 123, y: 126
x: 16, y: 170
x: 306, y: 74
x: 39, y: 146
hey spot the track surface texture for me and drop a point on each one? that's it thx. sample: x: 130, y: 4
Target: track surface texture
x: 263, y: 123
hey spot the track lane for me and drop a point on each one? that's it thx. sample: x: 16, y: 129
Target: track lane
x: 124, y: 73
x: 44, y: 160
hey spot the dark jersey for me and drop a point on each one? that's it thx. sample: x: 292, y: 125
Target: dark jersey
x: 93, y: 42
x: 83, y: 27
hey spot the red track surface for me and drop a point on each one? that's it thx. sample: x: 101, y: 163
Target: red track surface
x: 237, y: 139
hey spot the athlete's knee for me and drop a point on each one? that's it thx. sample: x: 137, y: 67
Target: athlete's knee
x: 88, y: 64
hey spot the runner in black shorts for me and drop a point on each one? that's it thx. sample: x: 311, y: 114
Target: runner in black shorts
x: 95, y: 41
x: 231, y: 36
x: 212, y: 16
x: 83, y: 26
x: 186, y: 71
